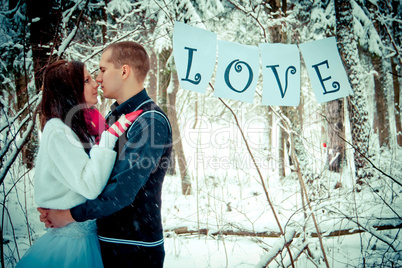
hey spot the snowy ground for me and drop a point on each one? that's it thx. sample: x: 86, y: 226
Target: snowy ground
x: 227, y: 196
x: 184, y: 252
x: 238, y: 251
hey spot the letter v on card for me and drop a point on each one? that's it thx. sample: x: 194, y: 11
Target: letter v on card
x: 281, y: 73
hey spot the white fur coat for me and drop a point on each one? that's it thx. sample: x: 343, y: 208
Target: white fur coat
x: 65, y: 176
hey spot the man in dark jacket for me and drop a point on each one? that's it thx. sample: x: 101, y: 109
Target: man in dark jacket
x: 128, y: 211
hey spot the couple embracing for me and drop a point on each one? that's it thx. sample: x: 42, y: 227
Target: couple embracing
x: 98, y: 181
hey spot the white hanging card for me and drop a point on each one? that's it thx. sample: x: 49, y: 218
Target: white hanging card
x: 281, y: 74
x: 194, y: 52
x: 237, y: 71
x: 327, y: 73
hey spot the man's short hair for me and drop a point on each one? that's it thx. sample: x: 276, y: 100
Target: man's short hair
x: 132, y: 54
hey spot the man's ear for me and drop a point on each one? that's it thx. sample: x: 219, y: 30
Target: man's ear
x: 125, y: 71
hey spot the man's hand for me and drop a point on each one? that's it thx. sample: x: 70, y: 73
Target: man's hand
x: 54, y: 218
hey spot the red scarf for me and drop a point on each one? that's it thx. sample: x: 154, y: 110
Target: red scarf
x: 96, y: 123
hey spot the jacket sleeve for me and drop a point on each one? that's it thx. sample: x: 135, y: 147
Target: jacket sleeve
x: 147, y: 140
x: 84, y: 174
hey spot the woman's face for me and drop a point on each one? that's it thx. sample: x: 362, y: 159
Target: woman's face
x: 90, y: 89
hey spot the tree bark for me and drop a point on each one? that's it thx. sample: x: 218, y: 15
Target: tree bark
x: 281, y: 153
x: 268, y: 131
x: 195, y: 110
x: 395, y: 66
x: 153, y: 77
x: 397, y: 99
x: 335, y: 130
x: 381, y: 114
x: 164, y: 75
x: 381, y: 124
x: 163, y: 78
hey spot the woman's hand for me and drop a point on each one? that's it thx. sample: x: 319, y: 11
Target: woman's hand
x: 55, y: 218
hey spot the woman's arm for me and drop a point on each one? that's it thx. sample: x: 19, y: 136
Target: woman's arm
x: 82, y: 173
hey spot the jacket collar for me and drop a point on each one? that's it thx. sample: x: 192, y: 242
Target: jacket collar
x: 131, y: 104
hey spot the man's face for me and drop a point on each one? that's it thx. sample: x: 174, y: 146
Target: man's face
x: 109, y: 77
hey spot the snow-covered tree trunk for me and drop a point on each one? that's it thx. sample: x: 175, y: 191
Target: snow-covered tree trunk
x: 357, y: 103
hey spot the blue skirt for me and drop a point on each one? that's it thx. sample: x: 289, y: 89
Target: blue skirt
x: 75, y: 245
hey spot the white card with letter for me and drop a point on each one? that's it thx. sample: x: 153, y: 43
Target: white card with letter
x: 324, y: 65
x: 237, y: 71
x: 194, y: 52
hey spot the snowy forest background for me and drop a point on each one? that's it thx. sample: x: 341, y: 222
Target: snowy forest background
x: 318, y: 185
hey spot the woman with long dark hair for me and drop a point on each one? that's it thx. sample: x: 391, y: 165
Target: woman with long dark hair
x: 74, y: 162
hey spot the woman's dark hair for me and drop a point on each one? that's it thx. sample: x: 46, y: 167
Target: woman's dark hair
x: 63, y: 97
